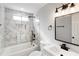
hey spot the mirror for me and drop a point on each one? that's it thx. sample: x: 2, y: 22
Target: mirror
x: 67, y: 28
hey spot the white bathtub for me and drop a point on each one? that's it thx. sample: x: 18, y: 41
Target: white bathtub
x: 19, y: 50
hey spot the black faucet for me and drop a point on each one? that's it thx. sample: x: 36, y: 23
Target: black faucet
x: 63, y: 46
x: 61, y: 55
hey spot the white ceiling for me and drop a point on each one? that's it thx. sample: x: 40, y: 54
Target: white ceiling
x: 27, y: 7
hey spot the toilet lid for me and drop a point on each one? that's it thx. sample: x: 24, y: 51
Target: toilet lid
x: 35, y: 53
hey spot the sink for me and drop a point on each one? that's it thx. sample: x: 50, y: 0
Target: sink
x: 57, y: 51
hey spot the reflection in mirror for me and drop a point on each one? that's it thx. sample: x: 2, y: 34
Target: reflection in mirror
x: 67, y: 28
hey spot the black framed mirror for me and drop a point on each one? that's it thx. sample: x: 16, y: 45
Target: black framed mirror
x: 67, y: 28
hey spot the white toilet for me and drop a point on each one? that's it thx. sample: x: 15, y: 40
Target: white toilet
x: 39, y: 53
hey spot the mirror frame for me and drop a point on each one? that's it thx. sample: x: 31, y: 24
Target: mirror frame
x: 55, y: 30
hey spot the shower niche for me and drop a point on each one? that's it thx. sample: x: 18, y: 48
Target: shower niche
x: 67, y: 28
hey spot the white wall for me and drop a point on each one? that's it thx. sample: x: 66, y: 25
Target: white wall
x: 47, y: 15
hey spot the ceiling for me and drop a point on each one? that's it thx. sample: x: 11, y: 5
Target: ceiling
x: 27, y: 7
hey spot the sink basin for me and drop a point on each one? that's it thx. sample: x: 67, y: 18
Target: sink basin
x: 57, y: 51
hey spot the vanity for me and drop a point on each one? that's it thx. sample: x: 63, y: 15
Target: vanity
x: 57, y: 51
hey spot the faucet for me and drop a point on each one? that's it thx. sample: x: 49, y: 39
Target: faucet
x: 63, y: 46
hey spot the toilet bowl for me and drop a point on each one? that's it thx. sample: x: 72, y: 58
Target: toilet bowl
x: 36, y: 53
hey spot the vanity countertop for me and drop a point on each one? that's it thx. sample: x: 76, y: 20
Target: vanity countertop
x: 57, y: 51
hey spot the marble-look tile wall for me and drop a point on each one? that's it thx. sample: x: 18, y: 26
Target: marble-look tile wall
x: 1, y: 25
x: 16, y: 32
x: 13, y: 32
x: 35, y: 26
x: 37, y: 32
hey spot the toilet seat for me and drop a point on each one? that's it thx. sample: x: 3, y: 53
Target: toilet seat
x: 36, y: 53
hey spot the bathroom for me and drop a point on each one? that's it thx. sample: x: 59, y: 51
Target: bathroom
x: 35, y: 29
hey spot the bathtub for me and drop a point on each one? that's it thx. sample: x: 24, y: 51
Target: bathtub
x: 19, y: 50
